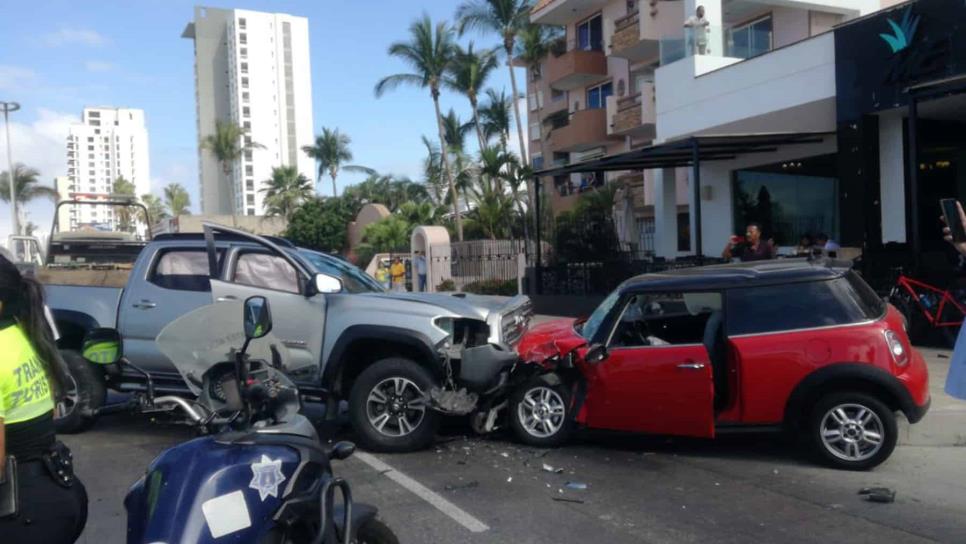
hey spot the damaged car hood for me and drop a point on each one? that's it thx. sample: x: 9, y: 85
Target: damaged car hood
x: 467, y: 305
x: 548, y: 340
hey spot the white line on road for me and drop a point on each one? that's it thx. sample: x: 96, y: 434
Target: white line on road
x: 454, y: 512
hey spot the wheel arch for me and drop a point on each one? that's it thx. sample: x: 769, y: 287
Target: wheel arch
x: 848, y: 377
x: 360, y: 346
x: 72, y: 326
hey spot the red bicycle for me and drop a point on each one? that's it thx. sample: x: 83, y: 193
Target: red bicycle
x: 928, y: 308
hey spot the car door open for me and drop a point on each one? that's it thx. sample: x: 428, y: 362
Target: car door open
x: 657, y: 376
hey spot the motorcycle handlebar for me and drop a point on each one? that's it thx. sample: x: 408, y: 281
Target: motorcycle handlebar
x: 183, y: 404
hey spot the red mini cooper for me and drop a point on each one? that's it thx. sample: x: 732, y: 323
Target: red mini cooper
x: 786, y: 344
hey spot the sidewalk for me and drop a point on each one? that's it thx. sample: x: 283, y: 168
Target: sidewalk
x: 945, y: 424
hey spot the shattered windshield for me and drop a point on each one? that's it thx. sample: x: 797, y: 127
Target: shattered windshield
x: 588, y: 329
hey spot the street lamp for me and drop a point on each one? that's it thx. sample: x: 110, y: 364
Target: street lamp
x: 8, y: 107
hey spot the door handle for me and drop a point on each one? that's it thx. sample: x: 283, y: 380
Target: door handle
x: 144, y: 304
x: 226, y: 298
x: 691, y: 366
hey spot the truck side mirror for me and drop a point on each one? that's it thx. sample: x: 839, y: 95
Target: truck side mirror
x: 596, y: 353
x: 257, y: 318
x: 327, y: 284
x: 102, y: 346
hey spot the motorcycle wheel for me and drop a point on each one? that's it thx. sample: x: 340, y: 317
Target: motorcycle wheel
x: 375, y: 532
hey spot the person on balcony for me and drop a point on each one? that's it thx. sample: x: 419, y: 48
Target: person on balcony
x: 698, y: 26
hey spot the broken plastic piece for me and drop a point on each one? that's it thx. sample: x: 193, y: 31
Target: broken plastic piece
x: 580, y: 486
x: 565, y: 499
x: 548, y: 468
x: 878, y: 494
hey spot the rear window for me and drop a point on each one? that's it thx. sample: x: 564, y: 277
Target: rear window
x: 841, y: 301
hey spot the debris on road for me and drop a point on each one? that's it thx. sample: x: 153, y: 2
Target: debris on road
x: 580, y: 486
x: 942, y: 355
x: 467, y: 485
x: 548, y: 468
x: 878, y: 494
x: 565, y: 499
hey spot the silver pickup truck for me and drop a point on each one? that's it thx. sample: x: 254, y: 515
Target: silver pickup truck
x: 385, y: 353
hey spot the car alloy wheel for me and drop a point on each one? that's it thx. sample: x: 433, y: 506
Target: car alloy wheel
x: 541, y: 411
x: 68, y: 403
x: 395, y: 407
x: 852, y: 432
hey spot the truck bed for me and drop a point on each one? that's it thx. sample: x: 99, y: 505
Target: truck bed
x: 84, y: 278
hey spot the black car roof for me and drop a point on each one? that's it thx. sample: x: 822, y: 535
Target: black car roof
x: 725, y: 276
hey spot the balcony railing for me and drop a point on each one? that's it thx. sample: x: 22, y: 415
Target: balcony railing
x: 582, y: 130
x: 633, y: 115
x: 570, y: 66
x: 714, y: 41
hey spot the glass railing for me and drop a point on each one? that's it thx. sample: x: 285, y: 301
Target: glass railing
x: 742, y: 43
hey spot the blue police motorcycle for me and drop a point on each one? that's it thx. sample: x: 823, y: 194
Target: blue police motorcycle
x: 261, y: 474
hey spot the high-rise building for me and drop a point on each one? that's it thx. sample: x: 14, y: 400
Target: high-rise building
x: 251, y: 69
x: 107, y: 144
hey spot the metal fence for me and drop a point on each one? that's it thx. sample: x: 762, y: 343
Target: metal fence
x: 482, y: 266
x: 601, y: 277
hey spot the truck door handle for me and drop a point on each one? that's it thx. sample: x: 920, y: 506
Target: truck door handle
x: 691, y: 366
x: 226, y: 298
x: 144, y: 304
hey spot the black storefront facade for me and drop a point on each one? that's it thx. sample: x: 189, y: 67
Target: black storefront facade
x: 905, y: 66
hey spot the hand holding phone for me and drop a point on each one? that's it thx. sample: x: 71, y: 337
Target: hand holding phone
x: 955, y: 231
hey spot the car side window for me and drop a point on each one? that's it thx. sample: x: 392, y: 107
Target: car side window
x: 793, y: 306
x: 663, y: 319
x: 183, y: 270
x: 265, y: 270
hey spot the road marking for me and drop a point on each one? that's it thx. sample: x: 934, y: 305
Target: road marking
x: 456, y: 513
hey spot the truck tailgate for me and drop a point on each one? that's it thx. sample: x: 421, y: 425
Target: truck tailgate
x: 100, y: 303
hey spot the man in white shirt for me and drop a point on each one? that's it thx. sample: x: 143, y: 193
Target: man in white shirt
x: 699, y: 29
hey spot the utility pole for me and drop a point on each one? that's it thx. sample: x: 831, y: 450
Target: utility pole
x: 8, y: 107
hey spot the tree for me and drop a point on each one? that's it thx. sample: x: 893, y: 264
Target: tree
x: 455, y: 131
x: 507, y: 18
x: 155, y: 207
x: 387, y: 190
x: 227, y: 145
x: 177, y: 199
x: 428, y: 53
x: 26, y: 185
x: 467, y: 75
x: 125, y: 215
x: 331, y: 151
x: 286, y: 191
x: 495, y: 117
x: 320, y: 224
x: 388, y: 235
x: 421, y: 213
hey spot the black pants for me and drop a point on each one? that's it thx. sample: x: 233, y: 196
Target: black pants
x: 49, y: 513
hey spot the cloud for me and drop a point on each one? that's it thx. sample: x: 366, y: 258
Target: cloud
x: 16, y: 77
x: 74, y: 36
x: 98, y: 66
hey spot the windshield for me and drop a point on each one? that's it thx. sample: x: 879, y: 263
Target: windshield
x: 588, y: 329
x: 353, y: 279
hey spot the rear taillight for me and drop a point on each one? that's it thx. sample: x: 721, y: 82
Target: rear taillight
x: 900, y: 353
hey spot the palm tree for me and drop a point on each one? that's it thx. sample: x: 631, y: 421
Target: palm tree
x: 155, y: 207
x: 389, y: 234
x: 228, y: 144
x: 429, y: 53
x: 432, y: 171
x: 177, y: 199
x: 122, y: 189
x: 455, y: 131
x: 421, y: 213
x: 495, y: 116
x: 331, y: 151
x: 467, y: 75
x: 506, y: 18
x: 286, y: 191
x: 26, y: 185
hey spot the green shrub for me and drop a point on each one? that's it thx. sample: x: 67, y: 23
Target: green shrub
x: 492, y: 287
x: 446, y: 285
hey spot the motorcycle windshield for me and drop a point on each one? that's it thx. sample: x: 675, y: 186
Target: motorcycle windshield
x: 205, y: 337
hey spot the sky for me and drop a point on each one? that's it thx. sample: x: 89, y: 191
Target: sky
x: 62, y: 55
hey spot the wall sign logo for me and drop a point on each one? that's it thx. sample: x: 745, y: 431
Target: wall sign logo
x: 903, y: 32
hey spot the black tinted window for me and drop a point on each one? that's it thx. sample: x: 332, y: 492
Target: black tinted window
x: 794, y: 306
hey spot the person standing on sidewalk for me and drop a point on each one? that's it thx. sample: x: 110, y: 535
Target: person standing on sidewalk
x: 956, y: 379
x: 50, y: 505
x: 421, y: 270
x: 398, y: 273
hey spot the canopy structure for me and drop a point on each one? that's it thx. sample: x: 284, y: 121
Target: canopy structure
x: 690, y: 151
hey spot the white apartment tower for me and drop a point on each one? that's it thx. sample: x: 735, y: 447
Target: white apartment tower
x: 251, y: 69
x: 108, y: 143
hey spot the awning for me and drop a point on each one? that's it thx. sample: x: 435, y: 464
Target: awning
x: 686, y: 151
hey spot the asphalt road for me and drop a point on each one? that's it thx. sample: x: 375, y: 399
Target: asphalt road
x: 471, y: 489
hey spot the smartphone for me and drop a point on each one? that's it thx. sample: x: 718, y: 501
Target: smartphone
x: 953, y: 221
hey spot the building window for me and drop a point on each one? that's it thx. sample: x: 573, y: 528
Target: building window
x: 243, y: 38
x: 750, y: 39
x: 244, y: 83
x: 93, y: 114
x: 597, y: 96
x: 244, y: 52
x: 90, y: 138
x: 245, y: 96
x: 247, y: 125
x: 248, y: 170
x: 95, y: 123
x: 590, y: 34
x: 251, y: 211
x: 535, y: 131
x: 557, y: 96
x: 244, y: 67
x: 250, y: 199
x: 241, y: 22
x: 248, y: 155
x: 246, y: 111
x: 684, y: 231
x: 537, y: 161
x: 249, y: 185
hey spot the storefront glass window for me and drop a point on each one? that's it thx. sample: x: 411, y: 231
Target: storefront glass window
x: 786, y: 205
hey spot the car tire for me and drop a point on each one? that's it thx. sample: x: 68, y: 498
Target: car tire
x: 540, y: 412
x: 374, y: 531
x: 86, y: 393
x: 389, y: 408
x: 852, y: 431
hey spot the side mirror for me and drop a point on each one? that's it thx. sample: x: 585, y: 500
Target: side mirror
x: 102, y: 346
x: 596, y: 354
x: 342, y: 450
x: 327, y: 284
x: 257, y: 318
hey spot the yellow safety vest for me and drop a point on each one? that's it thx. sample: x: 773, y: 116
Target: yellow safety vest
x: 24, y: 389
